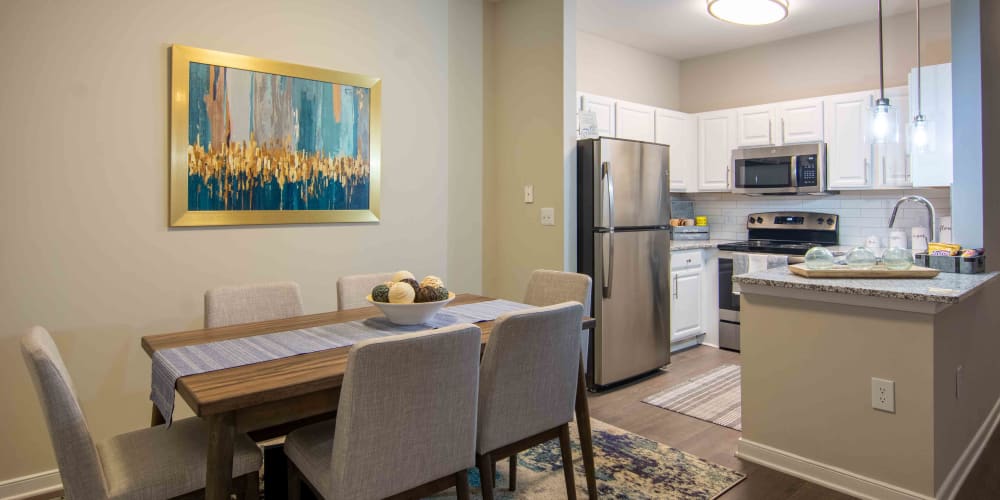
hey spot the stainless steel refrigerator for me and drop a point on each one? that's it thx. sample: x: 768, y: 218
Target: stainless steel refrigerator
x: 623, y: 243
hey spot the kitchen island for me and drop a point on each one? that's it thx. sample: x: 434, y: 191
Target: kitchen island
x: 810, y: 351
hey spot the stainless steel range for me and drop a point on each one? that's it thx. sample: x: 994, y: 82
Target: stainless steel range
x: 781, y: 233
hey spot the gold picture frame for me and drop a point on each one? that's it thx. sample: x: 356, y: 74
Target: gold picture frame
x: 233, y: 170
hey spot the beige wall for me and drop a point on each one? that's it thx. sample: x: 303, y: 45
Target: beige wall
x: 465, y: 145
x: 807, y: 369
x: 609, y: 68
x: 526, y: 105
x: 829, y: 62
x: 86, y: 251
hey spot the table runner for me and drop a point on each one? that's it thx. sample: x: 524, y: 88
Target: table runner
x: 172, y: 364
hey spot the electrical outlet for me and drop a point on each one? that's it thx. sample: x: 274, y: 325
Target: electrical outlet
x: 548, y: 216
x: 529, y: 193
x: 884, y: 395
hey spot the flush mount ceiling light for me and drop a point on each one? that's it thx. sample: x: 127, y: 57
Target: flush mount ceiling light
x: 750, y: 12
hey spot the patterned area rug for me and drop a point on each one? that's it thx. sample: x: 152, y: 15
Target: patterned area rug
x: 714, y: 397
x: 629, y: 466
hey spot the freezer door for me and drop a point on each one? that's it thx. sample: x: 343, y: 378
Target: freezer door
x: 632, y: 184
x: 632, y: 304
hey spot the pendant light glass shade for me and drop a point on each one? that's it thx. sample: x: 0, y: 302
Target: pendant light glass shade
x: 884, y: 120
x: 749, y: 12
x: 922, y: 135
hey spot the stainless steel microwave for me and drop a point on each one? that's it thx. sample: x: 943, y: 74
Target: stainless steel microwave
x: 792, y: 169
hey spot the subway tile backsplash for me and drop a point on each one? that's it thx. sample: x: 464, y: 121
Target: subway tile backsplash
x: 862, y: 213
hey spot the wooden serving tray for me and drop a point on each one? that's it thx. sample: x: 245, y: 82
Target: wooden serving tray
x: 876, y: 272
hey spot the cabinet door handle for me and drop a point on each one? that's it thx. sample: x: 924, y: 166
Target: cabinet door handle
x: 770, y: 139
x: 885, y: 172
x: 782, y: 129
x: 866, y: 171
x: 729, y: 178
x: 675, y: 286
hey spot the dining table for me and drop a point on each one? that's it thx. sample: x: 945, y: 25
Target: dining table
x: 274, y: 397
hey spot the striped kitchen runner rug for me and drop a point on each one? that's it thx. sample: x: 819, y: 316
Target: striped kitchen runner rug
x: 713, y: 396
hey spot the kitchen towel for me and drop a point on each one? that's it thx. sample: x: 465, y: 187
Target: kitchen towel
x: 172, y: 364
x: 746, y: 263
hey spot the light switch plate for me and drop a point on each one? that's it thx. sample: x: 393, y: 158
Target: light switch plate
x: 884, y: 395
x: 529, y: 193
x: 548, y: 216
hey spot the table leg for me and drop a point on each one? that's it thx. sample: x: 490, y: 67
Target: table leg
x: 219, y: 465
x: 156, y: 418
x: 586, y: 440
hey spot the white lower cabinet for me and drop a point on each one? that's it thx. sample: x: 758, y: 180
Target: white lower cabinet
x: 685, y: 295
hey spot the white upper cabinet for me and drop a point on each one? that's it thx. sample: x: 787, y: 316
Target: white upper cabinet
x: 604, y: 108
x: 716, y: 140
x: 892, y: 160
x: 634, y: 121
x: 755, y: 126
x: 800, y: 121
x: 848, y: 156
x: 678, y: 131
x: 933, y: 167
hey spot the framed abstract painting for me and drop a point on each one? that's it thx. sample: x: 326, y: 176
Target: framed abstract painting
x: 254, y: 141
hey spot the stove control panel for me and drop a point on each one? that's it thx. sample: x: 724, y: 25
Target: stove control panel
x: 793, y: 220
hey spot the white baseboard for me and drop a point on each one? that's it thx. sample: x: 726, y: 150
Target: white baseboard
x: 30, y: 486
x: 822, y: 474
x: 956, y: 477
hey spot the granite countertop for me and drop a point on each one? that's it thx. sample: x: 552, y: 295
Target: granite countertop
x: 945, y: 288
x: 676, y: 245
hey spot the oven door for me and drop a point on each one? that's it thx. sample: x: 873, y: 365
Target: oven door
x: 769, y: 175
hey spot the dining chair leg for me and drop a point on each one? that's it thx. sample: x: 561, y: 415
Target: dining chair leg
x: 583, y: 426
x: 294, y: 482
x: 485, y: 464
x: 567, y: 458
x: 462, y: 485
x: 512, y: 473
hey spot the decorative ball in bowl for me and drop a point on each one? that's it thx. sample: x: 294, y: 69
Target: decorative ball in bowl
x: 404, y: 301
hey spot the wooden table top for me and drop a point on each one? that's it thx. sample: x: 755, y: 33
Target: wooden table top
x: 259, y: 383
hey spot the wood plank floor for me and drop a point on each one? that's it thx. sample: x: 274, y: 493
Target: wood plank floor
x: 624, y: 408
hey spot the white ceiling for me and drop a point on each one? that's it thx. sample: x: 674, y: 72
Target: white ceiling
x: 682, y: 29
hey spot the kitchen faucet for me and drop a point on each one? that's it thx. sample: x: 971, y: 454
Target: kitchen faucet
x: 930, y: 212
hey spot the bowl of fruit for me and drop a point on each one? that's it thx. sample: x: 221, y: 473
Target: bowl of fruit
x: 405, y: 301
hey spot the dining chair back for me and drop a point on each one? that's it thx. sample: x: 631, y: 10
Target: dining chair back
x: 231, y: 305
x: 527, y: 385
x: 352, y: 290
x: 406, y: 418
x: 76, y: 454
x: 546, y: 288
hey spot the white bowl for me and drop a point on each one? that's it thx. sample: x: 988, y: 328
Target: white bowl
x: 416, y: 313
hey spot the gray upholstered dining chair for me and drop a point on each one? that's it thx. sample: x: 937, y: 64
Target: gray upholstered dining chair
x: 153, y: 463
x: 352, y: 290
x: 231, y: 305
x: 546, y: 288
x: 406, y: 421
x: 527, y: 387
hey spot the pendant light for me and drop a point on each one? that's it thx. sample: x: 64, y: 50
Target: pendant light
x: 883, y: 125
x: 748, y: 12
x: 921, y: 129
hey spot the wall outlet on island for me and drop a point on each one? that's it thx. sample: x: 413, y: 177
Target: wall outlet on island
x: 884, y: 395
x: 548, y: 216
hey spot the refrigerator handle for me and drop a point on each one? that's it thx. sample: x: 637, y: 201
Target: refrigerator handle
x: 611, y: 230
